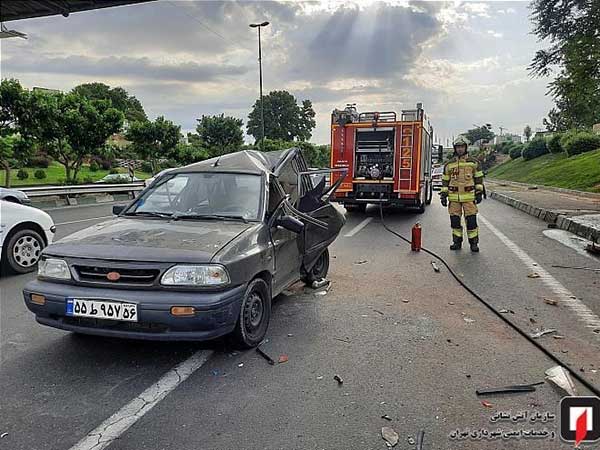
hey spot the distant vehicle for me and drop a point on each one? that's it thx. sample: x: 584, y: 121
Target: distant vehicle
x: 388, y: 157
x: 14, y: 195
x: 24, y: 232
x: 114, y: 178
x: 199, y: 254
x: 149, y: 181
x: 436, y: 177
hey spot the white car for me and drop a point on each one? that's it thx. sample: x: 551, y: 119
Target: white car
x: 115, y: 178
x: 436, y: 177
x: 24, y: 232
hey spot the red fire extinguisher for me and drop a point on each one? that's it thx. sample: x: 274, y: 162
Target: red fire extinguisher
x: 415, y: 243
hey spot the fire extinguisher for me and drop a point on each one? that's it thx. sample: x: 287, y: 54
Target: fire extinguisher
x: 415, y: 243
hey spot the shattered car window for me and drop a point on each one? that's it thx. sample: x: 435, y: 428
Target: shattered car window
x: 220, y: 194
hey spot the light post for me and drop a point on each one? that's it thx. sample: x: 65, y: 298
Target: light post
x: 262, y: 108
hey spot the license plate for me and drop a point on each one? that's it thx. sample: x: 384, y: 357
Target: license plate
x: 101, y: 309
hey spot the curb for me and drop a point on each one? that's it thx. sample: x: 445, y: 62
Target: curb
x: 546, y: 188
x: 563, y: 222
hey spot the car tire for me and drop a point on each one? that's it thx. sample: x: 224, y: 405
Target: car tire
x: 23, y: 250
x: 319, y: 270
x: 255, y: 314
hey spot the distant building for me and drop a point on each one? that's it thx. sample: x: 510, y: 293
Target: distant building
x: 45, y: 90
x: 543, y: 134
x: 596, y: 128
x: 508, y: 137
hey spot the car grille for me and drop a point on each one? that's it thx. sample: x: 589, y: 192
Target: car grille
x: 136, y: 276
x: 115, y: 325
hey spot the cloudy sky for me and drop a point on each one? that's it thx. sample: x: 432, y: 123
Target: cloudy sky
x: 465, y: 61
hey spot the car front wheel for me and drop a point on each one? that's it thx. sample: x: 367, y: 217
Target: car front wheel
x: 23, y: 251
x: 255, y: 315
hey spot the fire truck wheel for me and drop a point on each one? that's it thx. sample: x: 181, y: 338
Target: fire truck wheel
x: 319, y: 270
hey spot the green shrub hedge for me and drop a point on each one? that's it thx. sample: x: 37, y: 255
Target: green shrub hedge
x: 554, y: 145
x: 22, y: 174
x: 535, y: 148
x: 39, y: 174
x: 581, y: 142
x: 515, y: 152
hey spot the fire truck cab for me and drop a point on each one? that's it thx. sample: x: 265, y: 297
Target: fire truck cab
x: 388, y: 157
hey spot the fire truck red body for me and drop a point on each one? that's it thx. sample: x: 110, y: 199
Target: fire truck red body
x: 388, y: 157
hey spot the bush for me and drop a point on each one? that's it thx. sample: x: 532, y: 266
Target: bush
x: 515, y: 152
x: 22, y: 174
x: 39, y: 174
x: 88, y: 180
x: 535, y: 149
x: 581, y: 142
x: 554, y: 144
x: 113, y: 171
x: 146, y: 167
x: 40, y: 161
x: 94, y: 167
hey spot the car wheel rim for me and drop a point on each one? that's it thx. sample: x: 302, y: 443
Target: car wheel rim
x: 253, y: 313
x: 26, y: 251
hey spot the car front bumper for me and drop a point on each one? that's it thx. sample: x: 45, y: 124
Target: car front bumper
x: 216, y: 312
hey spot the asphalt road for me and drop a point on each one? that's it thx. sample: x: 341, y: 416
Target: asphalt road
x: 409, y: 343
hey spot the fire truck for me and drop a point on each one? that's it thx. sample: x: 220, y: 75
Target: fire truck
x: 388, y: 158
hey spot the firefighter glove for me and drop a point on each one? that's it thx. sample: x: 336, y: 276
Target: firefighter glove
x: 478, y: 197
x: 444, y: 199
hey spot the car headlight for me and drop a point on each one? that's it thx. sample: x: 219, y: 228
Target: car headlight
x: 209, y: 275
x: 54, y: 268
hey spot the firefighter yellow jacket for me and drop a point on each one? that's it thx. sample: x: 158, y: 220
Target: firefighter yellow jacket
x: 462, y: 178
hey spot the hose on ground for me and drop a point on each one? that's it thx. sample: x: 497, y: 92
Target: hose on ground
x: 511, y: 324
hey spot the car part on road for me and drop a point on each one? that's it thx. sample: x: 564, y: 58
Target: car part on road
x: 509, y: 389
x: 489, y: 306
x: 560, y: 377
x: 386, y: 417
x: 533, y: 275
x: 390, y: 437
x: 435, y: 266
x: 593, y: 248
x: 338, y: 379
x: 542, y: 332
x: 551, y: 301
x: 283, y: 359
x: 264, y: 355
x: 486, y: 404
x: 420, y: 439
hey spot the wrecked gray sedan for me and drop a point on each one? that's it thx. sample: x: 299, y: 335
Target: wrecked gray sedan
x: 199, y: 254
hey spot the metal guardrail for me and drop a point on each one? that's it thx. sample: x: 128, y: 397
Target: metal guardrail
x: 97, y: 188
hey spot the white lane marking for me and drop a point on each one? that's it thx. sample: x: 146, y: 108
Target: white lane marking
x: 82, y: 220
x: 117, y: 424
x: 358, y: 227
x: 566, y: 297
x: 570, y: 240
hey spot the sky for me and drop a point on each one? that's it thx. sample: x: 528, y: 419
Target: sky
x: 465, y: 61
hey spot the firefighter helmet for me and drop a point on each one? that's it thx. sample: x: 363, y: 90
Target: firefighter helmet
x: 461, y: 140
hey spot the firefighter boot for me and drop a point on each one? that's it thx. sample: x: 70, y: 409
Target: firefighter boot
x: 456, y: 243
x: 474, y: 244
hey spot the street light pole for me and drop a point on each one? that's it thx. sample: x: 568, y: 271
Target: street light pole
x: 262, y: 107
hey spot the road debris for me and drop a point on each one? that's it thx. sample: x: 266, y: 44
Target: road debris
x: 558, y: 336
x: 435, y: 266
x: 390, y: 437
x: 534, y: 275
x: 486, y: 404
x: 3, y: 435
x: 542, y: 332
x: 466, y: 319
x: 550, y: 301
x: 592, y: 247
x: 560, y: 377
x: 320, y: 377
x: 290, y: 335
x: 241, y: 365
x: 532, y: 320
x: 411, y: 440
x: 379, y: 312
x: 592, y: 269
x: 509, y: 389
x: 320, y: 283
x: 347, y: 341
x: 283, y: 359
x: 420, y: 439
x: 338, y: 379
x: 386, y: 417
x: 264, y: 355
x: 451, y: 303
x: 405, y: 301
x: 506, y: 311
x: 360, y: 261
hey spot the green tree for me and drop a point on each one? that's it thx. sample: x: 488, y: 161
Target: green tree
x: 483, y: 133
x: 220, y: 134
x: 74, y: 128
x: 555, y: 121
x: 527, y: 133
x: 154, y: 140
x: 573, y: 58
x: 120, y: 99
x: 284, y: 118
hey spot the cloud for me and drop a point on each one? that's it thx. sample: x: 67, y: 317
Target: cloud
x: 495, y: 34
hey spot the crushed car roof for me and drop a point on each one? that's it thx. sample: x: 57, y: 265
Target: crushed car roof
x: 246, y: 161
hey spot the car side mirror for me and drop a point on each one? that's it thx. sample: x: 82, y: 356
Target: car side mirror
x: 290, y: 223
x: 117, y: 209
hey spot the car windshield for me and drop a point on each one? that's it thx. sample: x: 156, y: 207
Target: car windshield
x: 199, y: 194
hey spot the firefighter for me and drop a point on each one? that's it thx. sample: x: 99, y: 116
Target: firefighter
x: 462, y: 189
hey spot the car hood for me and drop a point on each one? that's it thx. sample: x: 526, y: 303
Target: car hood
x: 149, y: 240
